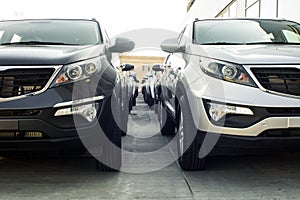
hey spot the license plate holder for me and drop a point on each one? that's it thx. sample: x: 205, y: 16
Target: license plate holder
x: 294, y: 122
x: 9, y: 125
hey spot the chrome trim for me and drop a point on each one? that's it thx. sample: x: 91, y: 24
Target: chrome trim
x: 170, y: 107
x: 256, y: 129
x: 79, y: 102
x: 57, y: 70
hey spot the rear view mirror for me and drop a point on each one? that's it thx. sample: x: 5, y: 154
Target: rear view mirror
x: 122, y: 45
x: 171, y: 46
x: 157, y: 68
x: 127, y: 67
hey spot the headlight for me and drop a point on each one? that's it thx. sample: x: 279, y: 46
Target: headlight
x: 77, y: 71
x: 226, y: 71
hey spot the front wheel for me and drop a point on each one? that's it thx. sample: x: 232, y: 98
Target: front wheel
x: 111, y: 141
x: 188, y: 139
x: 111, y: 160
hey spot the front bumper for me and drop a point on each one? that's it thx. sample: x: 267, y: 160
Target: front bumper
x: 239, y: 145
x: 221, y: 144
x: 30, y: 123
x: 39, y: 145
x: 245, y: 126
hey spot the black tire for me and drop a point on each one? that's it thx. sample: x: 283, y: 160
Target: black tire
x: 150, y: 101
x: 112, y: 155
x: 134, y: 101
x: 167, y: 125
x: 189, y: 139
x: 111, y: 158
x: 124, y: 122
x: 130, y: 104
x: 124, y: 116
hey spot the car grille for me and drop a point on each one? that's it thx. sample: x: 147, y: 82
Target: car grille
x: 282, y: 80
x: 281, y: 133
x: 17, y: 82
x: 284, y: 111
x: 19, y: 113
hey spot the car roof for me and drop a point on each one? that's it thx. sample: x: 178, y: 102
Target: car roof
x: 244, y: 18
x: 48, y: 19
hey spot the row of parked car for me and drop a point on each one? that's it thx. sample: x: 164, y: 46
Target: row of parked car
x: 130, y: 91
x: 150, y: 85
x: 225, y: 83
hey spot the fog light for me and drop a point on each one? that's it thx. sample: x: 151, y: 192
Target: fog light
x: 87, y: 111
x: 218, y: 111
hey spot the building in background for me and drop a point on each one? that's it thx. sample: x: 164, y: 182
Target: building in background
x: 287, y: 9
x: 142, y: 64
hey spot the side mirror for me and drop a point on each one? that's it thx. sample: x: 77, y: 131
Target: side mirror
x: 122, y: 45
x: 157, y: 68
x: 171, y: 46
x: 135, y: 79
x: 127, y: 67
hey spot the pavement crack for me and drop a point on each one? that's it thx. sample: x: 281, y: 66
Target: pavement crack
x: 182, y: 172
x: 187, y: 183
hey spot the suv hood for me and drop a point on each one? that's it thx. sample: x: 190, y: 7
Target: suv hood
x: 251, y: 54
x: 46, y: 55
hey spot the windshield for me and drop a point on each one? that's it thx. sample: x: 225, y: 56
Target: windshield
x: 246, y: 32
x: 67, y: 32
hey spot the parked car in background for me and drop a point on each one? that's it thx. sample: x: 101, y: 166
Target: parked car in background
x: 157, y: 69
x: 134, y: 83
x: 56, y: 81
x: 151, y: 84
x: 166, y: 113
x: 148, y: 85
x: 129, y: 87
x: 125, y: 95
x: 237, y: 85
x: 144, y: 88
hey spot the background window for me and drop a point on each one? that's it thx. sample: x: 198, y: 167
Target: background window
x: 289, y: 9
x: 253, y: 10
x: 250, y: 2
x: 268, y: 8
x: 233, y: 10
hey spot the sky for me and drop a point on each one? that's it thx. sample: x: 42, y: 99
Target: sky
x: 117, y: 16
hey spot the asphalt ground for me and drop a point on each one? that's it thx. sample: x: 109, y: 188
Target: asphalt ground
x: 150, y: 171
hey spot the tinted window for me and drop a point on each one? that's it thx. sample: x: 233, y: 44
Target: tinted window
x: 73, y: 32
x: 246, y: 31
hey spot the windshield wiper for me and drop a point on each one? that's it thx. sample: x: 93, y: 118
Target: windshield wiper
x: 35, y: 43
x: 283, y: 43
x: 221, y: 43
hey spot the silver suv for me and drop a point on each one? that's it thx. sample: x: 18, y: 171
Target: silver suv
x: 237, y: 85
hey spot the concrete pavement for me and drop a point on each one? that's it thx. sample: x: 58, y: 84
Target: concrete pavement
x: 143, y: 177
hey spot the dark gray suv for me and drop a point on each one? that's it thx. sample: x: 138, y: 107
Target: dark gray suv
x: 58, y: 88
